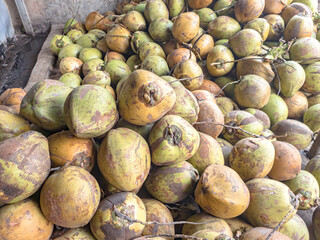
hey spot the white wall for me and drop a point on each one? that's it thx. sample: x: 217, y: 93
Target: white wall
x: 6, y: 28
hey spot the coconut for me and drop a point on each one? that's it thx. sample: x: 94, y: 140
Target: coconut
x: 95, y: 64
x: 295, y: 9
x: 12, y: 98
x: 293, y: 132
x: 174, y: 135
x: 141, y: 98
x: 144, y: 131
x: 74, y: 34
x: 178, y: 55
x: 95, y: 20
x: 150, y: 49
x: 274, y: 6
x: 238, y: 225
x: 66, y: 149
x: 255, y: 65
x: 298, y: 27
x: 316, y: 222
x: 261, y: 233
x: 276, y: 109
x: 295, y: 228
x: 158, y: 212
x: 261, y: 25
x: 209, y: 152
x: 252, y: 158
x: 118, y: 39
x: 287, y: 162
x: 277, y: 26
x: 201, y: 95
x: 307, y: 185
x: 186, y: 105
x: 117, y: 70
x: 211, y: 87
x: 291, y: 76
x: 155, y: 64
x: 206, y: 16
x: 216, y: 224
x: 312, y: 81
x: 70, y: 197
x: 25, y: 219
x: 90, y: 111
x: 223, y: 27
x: 202, y: 44
x: 71, y: 50
x: 138, y: 39
x: 297, y: 105
x: 134, y: 21
x: 261, y: 116
x: 226, y: 149
x: 311, y: 118
x: 254, y: 86
x: 88, y: 40
x: 242, y: 120
x: 99, y: 78
x: 133, y: 62
x: 71, y: 80
x: 221, y: 192
x: 155, y: 9
x: 83, y: 233
x: 244, y: 14
x: 109, y: 220
x: 43, y: 104
x: 186, y: 27
x: 160, y: 29
x: 25, y: 165
x: 210, y: 119
x: 114, y: 56
x: 227, y: 83
x: 251, y: 43
x: 58, y: 42
x: 12, y: 125
x: 70, y: 65
x: 131, y: 151
x: 226, y: 105
x: 270, y: 201
x: 305, y: 48
x: 172, y: 183
x: 313, y: 166
x: 216, y: 61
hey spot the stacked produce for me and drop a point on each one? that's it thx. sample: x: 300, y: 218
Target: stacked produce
x: 168, y: 111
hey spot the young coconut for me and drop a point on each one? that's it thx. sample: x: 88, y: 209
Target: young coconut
x: 109, y: 220
x: 172, y: 183
x: 261, y: 25
x: 172, y: 140
x: 134, y: 21
x: 307, y: 185
x: 312, y: 82
x: 216, y: 61
x: 190, y: 73
x: 297, y: 105
x: 133, y: 159
x: 66, y: 149
x: 25, y: 219
x: 210, y: 119
x: 244, y: 14
x: 138, y: 39
x: 158, y: 212
x: 226, y: 104
x: 299, y: 26
x: 254, y: 86
x: 316, y: 222
x: 160, y: 29
x: 261, y: 116
x: 178, y: 55
x: 287, y: 162
x: 221, y: 192
x: 95, y: 64
x: 270, y: 202
x: 201, y: 95
x: 150, y: 49
x: 211, y: 87
x: 261, y: 233
x: 12, y: 125
x: 305, y: 48
x: 211, y: 234
x: 276, y: 109
x: 99, y: 78
x: 71, y: 50
x: 186, y: 27
x: 294, y: 132
x: 118, y: 39
x: 145, y: 98
x: 311, y: 118
x: 12, y: 97
x: 295, y: 9
x: 25, y: 165
x: 238, y: 225
x: 209, y: 152
x: 90, y: 111
x: 226, y: 149
x: 58, y: 42
x: 252, y: 158
x: 82, y: 233
x: 216, y: 224
x: 277, y: 26
x: 313, y: 166
x: 70, y: 197
x: 274, y: 6
x: 176, y: 7
x: 295, y: 228
x: 117, y: 69
x: 238, y: 120
x: 155, y: 9
x: 155, y: 64
x: 223, y: 27
x: 70, y: 65
x: 206, y: 16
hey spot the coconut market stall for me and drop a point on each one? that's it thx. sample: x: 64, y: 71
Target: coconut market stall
x: 167, y: 120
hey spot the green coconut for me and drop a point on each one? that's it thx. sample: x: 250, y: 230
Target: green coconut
x: 226, y: 149
x: 172, y: 140
x: 291, y: 75
x: 71, y: 80
x: 43, y: 104
x: 228, y: 89
x: 293, y: 132
x: 172, y: 183
x: 312, y: 81
x: 74, y: 34
x: 160, y: 29
x: 176, y: 7
x: 155, y: 9
x: 144, y: 131
x: 295, y: 228
x: 305, y: 48
x: 254, y: 86
x: 134, y: 21
x: 100, y: 78
x: 313, y: 166
x: 261, y: 25
x: 90, y: 111
x: 223, y: 27
x: 138, y: 39
x: 276, y: 109
x: 117, y: 70
x: 270, y: 201
x: 12, y: 125
x: 88, y: 40
x: 25, y: 165
x: 311, y: 118
x: 243, y: 120
x: 206, y: 16
x: 209, y: 152
x: 252, y: 158
x: 155, y: 64
x: 150, y: 49
x: 82, y: 233
x: 70, y: 50
x: 307, y: 185
x: 226, y: 104
x: 95, y: 64
x: 261, y: 116
x: 58, y: 42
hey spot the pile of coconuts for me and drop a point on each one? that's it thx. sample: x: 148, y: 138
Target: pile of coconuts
x: 170, y: 120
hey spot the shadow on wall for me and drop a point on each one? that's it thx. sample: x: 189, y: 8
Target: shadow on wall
x: 6, y: 28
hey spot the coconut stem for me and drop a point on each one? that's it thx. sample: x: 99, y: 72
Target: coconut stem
x: 230, y: 83
x: 285, y: 218
x: 226, y: 8
x: 185, y: 79
x: 174, y: 236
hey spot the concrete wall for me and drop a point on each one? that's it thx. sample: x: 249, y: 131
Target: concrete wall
x: 59, y: 11
x: 6, y: 27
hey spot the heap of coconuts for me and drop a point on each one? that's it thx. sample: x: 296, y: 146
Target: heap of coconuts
x: 171, y: 119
